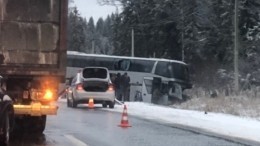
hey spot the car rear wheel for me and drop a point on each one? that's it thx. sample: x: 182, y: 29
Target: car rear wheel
x: 104, y: 104
x: 111, y: 104
x: 74, y: 104
x: 68, y: 102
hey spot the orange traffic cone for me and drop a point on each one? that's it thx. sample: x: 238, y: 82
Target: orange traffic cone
x: 124, y: 120
x: 91, y: 103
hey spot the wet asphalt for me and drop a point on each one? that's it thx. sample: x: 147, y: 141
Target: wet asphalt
x: 95, y: 127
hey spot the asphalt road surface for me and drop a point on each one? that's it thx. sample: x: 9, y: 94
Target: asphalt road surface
x: 96, y: 127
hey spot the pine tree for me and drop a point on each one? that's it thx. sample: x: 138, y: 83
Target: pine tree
x: 91, y: 36
x: 76, y: 31
x: 250, y: 35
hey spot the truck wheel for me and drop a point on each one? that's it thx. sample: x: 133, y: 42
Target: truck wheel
x: 111, y: 104
x: 39, y: 123
x: 4, y: 138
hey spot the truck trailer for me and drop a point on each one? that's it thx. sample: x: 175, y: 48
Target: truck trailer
x: 32, y: 59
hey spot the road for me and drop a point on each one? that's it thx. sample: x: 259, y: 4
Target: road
x: 96, y: 127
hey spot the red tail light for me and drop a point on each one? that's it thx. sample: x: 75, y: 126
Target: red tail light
x: 110, y: 87
x: 79, y: 86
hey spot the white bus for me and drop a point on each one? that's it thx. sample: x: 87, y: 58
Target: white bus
x: 144, y: 73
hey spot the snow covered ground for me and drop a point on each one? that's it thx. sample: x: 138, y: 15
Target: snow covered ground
x: 234, y: 127
x: 223, y: 124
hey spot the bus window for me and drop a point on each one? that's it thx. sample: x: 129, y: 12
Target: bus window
x: 123, y: 65
x: 142, y: 66
x: 77, y: 62
x: 69, y: 61
x: 105, y: 62
x: 179, y: 71
x: 162, y: 70
x: 88, y: 61
x: 172, y: 70
x: 80, y: 62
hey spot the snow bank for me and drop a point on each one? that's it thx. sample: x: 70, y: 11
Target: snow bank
x: 229, y: 125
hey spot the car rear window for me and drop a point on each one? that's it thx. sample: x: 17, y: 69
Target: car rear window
x: 95, y: 73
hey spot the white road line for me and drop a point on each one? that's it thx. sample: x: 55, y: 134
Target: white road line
x: 75, y: 141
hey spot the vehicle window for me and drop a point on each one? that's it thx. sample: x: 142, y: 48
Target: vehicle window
x: 172, y: 70
x: 141, y: 66
x: 178, y: 71
x: 95, y: 73
x: 162, y: 70
x: 87, y: 61
x: 104, y: 62
x: 122, y: 65
x: 69, y: 61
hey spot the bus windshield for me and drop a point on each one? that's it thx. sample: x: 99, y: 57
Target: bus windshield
x: 178, y: 71
x: 172, y: 70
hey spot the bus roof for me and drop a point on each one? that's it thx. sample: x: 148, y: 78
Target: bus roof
x: 122, y: 57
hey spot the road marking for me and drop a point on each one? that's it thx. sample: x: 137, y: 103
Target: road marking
x: 75, y: 141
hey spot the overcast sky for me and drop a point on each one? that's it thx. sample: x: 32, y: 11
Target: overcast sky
x: 88, y: 8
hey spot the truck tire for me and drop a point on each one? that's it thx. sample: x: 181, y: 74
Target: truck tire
x: 31, y: 124
x: 4, y: 137
x: 111, y: 104
x: 39, y: 123
x: 34, y: 124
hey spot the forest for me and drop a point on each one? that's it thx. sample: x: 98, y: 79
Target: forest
x: 198, y: 32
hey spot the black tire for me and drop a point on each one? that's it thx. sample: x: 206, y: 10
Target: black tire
x: 104, y: 104
x: 39, y: 123
x: 111, y: 104
x: 74, y: 104
x: 30, y: 124
x: 4, y: 138
x: 68, y: 102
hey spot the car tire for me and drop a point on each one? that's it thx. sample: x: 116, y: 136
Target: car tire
x: 73, y: 102
x: 68, y: 102
x: 104, y: 104
x: 111, y: 104
x: 4, y: 138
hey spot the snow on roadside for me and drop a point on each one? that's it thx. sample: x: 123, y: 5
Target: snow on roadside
x: 223, y: 124
x: 241, y: 106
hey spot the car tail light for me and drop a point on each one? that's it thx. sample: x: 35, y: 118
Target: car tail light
x: 110, y: 87
x: 79, y: 86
